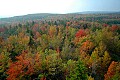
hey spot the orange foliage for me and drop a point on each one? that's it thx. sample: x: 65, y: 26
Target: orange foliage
x: 52, y: 31
x: 43, y: 78
x: 37, y: 35
x: 58, y: 50
x: 67, y: 27
x: 26, y: 64
x: 111, y: 70
x: 68, y: 23
x: 86, y: 46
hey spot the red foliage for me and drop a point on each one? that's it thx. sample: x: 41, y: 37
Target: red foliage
x: 2, y: 29
x: 105, y: 25
x: 80, y: 33
x: 35, y: 27
x: 114, y: 27
x: 14, y: 70
x: 42, y: 28
x: 26, y: 64
x: 68, y: 23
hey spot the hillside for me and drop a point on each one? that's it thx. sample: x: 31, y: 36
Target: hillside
x: 40, y: 16
x: 25, y: 18
x: 99, y: 12
x: 60, y: 47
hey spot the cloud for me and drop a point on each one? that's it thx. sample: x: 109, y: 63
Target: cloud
x: 21, y: 7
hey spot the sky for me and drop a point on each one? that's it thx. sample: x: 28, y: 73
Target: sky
x: 9, y: 8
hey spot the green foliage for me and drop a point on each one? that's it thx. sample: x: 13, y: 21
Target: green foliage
x: 79, y: 72
x: 4, y: 64
x: 109, y: 39
x: 54, y: 66
x: 59, y: 47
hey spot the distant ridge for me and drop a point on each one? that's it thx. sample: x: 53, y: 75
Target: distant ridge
x: 46, y: 14
x: 40, y: 16
x: 25, y: 17
x: 97, y: 12
x: 84, y: 12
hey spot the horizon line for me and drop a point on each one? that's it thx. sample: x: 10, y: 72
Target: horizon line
x: 1, y: 17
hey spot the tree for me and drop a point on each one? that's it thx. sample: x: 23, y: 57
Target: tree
x: 80, y: 33
x: 114, y: 28
x: 99, y: 62
x: 113, y: 72
x: 106, y: 60
x: 87, y: 47
x: 79, y: 72
x: 54, y: 67
x: 85, y: 51
x: 4, y: 64
x: 26, y: 65
x: 52, y: 31
x: 109, y: 39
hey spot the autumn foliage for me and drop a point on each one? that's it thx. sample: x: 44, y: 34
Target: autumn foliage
x: 25, y: 65
x: 113, y: 70
x: 80, y: 33
x: 61, y: 47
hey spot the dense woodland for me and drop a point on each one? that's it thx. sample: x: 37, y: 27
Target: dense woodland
x: 61, y: 47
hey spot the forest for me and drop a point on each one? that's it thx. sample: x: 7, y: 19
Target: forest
x: 60, y: 47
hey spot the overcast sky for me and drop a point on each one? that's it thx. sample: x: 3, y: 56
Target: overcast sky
x: 10, y: 8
